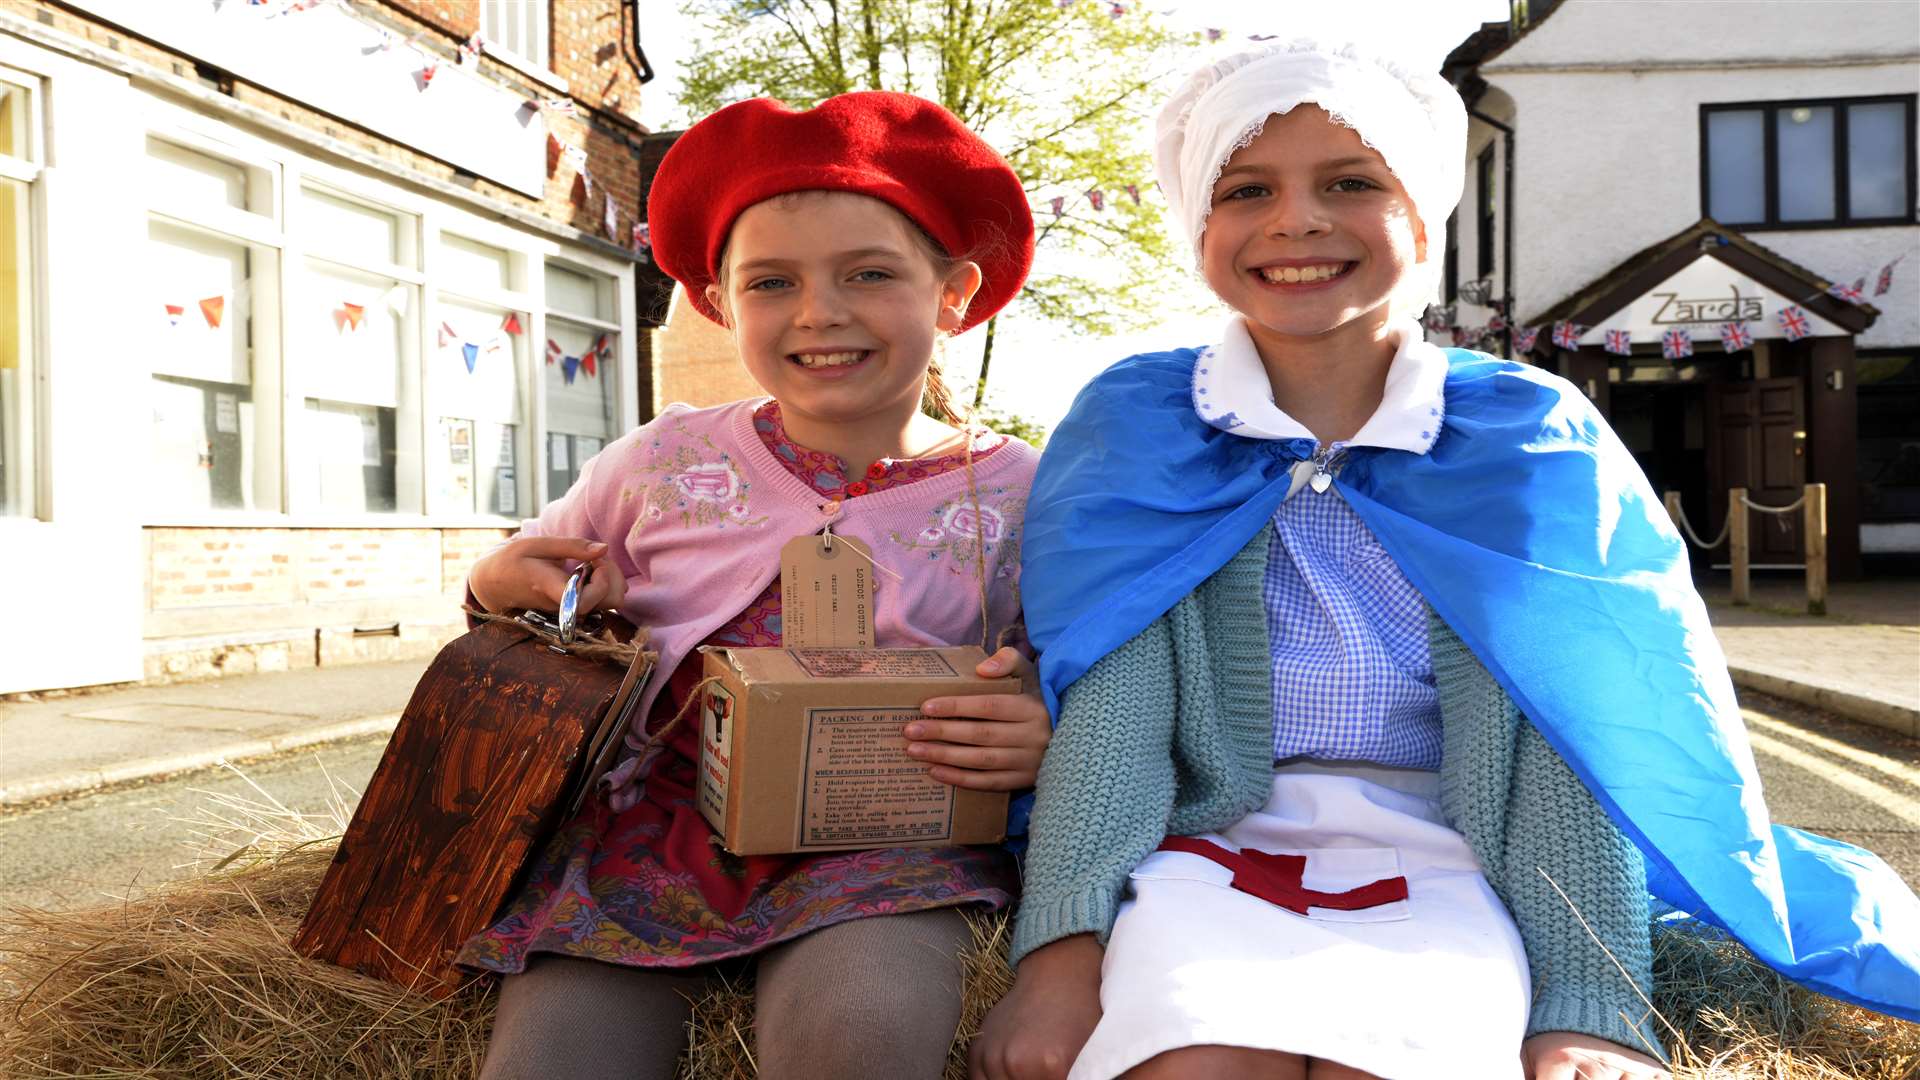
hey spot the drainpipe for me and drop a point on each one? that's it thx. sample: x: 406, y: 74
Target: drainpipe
x: 1506, y: 214
x: 636, y: 56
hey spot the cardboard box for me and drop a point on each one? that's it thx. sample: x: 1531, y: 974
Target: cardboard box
x: 801, y: 750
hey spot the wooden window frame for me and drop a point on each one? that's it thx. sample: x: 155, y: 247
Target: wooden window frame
x: 1842, y: 196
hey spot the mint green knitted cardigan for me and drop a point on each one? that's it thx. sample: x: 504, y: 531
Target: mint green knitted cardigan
x: 1172, y: 734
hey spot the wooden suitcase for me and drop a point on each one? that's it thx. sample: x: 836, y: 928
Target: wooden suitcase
x: 503, y: 737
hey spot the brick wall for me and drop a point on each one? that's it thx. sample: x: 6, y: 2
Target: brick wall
x: 695, y: 361
x: 224, y: 601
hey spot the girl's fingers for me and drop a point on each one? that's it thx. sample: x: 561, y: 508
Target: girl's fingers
x: 974, y: 780
x: 982, y: 758
x: 1002, y: 707
x: 975, y: 733
x: 559, y: 547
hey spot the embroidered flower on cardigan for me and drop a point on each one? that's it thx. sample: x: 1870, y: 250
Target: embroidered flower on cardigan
x: 688, y: 476
x: 965, y: 530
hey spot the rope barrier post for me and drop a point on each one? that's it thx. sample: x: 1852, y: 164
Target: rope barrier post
x: 1815, y: 538
x: 1671, y: 500
x: 1737, y: 542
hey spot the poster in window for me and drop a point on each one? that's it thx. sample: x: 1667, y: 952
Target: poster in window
x: 504, y: 455
x: 558, y: 458
x: 226, y: 414
x: 505, y: 499
x: 460, y: 443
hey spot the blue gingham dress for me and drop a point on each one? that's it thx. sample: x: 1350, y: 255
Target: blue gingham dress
x: 1352, y: 676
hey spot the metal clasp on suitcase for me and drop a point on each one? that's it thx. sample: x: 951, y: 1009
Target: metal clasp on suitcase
x: 567, y: 622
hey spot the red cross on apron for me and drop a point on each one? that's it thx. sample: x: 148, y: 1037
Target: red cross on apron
x: 1277, y: 878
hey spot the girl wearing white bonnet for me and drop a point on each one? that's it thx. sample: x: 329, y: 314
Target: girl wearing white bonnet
x: 1290, y: 826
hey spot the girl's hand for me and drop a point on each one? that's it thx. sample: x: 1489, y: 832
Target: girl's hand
x: 1036, y: 1031
x: 998, y: 743
x: 1566, y: 1055
x: 531, y: 572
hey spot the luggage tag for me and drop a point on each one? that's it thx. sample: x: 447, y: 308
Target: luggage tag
x: 826, y: 592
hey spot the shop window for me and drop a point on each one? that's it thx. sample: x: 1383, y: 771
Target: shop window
x: 476, y: 374
x: 213, y: 393
x: 354, y: 345
x: 18, y: 173
x: 580, y: 373
x: 1889, y: 454
x: 1799, y: 164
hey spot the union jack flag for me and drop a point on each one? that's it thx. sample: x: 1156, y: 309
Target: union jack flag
x: 1566, y: 335
x: 1852, y: 294
x: 1620, y: 342
x: 553, y: 352
x: 1133, y: 192
x: 1735, y: 336
x: 1885, y: 281
x: 1676, y: 344
x: 1793, y: 323
x: 1524, y: 338
x: 1098, y: 198
x: 1059, y: 204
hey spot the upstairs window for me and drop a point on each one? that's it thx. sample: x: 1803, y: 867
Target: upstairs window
x: 1483, y: 183
x: 1809, y: 164
x: 516, y: 27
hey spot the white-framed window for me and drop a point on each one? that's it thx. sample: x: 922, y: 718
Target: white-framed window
x: 354, y: 356
x: 20, y: 155
x: 211, y: 281
x: 477, y: 375
x: 339, y: 387
x: 581, y: 375
x: 518, y: 32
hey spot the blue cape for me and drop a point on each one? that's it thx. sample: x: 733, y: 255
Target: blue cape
x: 1533, y: 534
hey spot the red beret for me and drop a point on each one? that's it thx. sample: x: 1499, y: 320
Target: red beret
x: 906, y: 151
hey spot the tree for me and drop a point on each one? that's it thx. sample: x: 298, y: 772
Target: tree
x: 1062, y: 88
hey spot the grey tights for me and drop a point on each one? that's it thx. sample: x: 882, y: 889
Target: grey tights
x: 875, y: 997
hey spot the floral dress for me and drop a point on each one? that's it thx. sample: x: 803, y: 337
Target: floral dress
x: 650, y: 887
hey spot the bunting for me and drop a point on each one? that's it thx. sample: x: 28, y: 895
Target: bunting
x: 350, y: 316
x: 470, y: 353
x: 1133, y: 192
x: 1793, y: 323
x: 213, y: 309
x: 1735, y: 337
x: 512, y: 325
x: 1852, y: 294
x: 1676, y: 344
x: 1059, y: 204
x: 1885, y: 280
x: 1567, y: 335
x: 1620, y: 342
x: 1098, y: 198
x: 1524, y: 339
x: 174, y: 311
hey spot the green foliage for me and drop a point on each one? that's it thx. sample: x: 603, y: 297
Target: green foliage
x: 1063, y: 93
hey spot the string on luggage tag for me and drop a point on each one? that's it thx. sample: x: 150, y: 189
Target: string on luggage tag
x: 826, y: 535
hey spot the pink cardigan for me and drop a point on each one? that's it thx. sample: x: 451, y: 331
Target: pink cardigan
x: 695, y: 509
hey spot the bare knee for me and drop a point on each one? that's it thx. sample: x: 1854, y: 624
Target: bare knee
x: 1207, y: 1062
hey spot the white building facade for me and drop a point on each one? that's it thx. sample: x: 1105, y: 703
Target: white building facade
x: 1602, y: 130
x: 276, y: 364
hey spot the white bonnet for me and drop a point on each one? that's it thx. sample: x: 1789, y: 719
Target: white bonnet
x: 1415, y: 120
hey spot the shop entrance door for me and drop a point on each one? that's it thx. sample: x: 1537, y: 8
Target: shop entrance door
x: 1757, y: 439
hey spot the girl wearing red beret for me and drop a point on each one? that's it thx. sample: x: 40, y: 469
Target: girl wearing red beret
x: 840, y: 245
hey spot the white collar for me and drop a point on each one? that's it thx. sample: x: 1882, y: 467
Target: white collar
x: 1231, y: 392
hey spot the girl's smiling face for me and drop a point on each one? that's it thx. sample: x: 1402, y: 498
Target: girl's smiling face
x: 1309, y: 231
x: 835, y: 304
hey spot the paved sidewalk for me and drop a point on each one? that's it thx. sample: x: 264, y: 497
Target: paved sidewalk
x: 89, y: 740
x: 1861, y: 661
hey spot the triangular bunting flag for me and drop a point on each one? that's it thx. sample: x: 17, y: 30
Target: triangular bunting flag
x: 174, y: 311
x: 470, y: 353
x: 553, y: 351
x: 1059, y: 203
x: 213, y: 307
x: 351, y: 315
x: 1885, y: 280
x: 569, y: 365
x: 448, y: 334
x: 512, y: 325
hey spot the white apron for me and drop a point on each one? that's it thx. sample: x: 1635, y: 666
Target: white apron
x: 1434, y: 985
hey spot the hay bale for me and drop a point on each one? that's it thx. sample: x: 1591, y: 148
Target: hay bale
x: 197, y: 980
